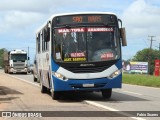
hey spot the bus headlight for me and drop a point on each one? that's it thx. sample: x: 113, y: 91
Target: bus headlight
x: 115, y: 74
x: 60, y: 76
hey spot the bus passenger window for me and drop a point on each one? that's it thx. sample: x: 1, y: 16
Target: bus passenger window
x: 38, y: 42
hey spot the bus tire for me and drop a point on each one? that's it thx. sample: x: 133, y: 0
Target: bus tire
x: 25, y: 73
x: 55, y: 95
x: 43, y: 88
x: 34, y: 79
x: 106, y: 93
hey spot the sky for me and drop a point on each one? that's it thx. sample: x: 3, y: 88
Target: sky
x: 19, y: 20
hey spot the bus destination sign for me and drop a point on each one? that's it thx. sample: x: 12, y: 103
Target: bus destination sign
x: 90, y: 19
x: 72, y: 19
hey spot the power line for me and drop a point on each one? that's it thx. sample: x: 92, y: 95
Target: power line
x: 146, y: 43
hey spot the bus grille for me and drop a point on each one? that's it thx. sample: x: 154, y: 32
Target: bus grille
x: 94, y: 69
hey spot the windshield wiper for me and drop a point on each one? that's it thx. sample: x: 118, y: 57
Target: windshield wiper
x: 67, y: 26
x: 108, y: 25
x: 64, y: 26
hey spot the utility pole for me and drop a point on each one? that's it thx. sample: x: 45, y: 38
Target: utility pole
x: 151, y: 41
x: 28, y: 56
x: 149, y: 53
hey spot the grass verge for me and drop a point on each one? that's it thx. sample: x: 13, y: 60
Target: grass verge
x: 144, y: 80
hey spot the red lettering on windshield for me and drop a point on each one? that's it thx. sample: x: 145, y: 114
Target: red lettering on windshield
x: 76, y: 55
x: 107, y: 56
x: 71, y: 30
x: 101, y: 29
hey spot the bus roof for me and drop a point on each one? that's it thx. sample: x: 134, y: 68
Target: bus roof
x: 74, y: 13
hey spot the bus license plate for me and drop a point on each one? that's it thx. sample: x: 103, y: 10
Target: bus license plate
x: 88, y: 85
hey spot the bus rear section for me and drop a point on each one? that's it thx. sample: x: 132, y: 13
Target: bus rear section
x: 84, y: 55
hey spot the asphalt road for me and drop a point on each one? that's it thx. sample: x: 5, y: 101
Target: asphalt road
x: 129, y: 98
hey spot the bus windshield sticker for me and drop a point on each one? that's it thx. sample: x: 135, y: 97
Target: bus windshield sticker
x: 107, y: 56
x: 79, y: 59
x: 77, y: 55
x: 58, y: 55
x: 67, y: 59
x: 74, y: 59
x: 101, y: 29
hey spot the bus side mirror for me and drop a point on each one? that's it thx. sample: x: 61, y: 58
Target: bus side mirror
x: 123, y: 36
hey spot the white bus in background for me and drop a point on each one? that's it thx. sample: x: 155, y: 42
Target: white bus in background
x: 16, y: 61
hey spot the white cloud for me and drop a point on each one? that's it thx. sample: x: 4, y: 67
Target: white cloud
x: 26, y: 5
x: 141, y: 19
x: 17, y: 20
x: 20, y: 14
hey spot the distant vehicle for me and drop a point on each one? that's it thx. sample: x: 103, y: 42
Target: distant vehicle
x: 71, y: 58
x: 15, y: 61
x: 30, y: 69
x: 35, y: 71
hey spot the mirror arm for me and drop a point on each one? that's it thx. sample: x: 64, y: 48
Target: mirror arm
x: 119, y: 20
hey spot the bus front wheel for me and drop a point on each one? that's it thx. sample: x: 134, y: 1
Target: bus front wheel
x: 55, y: 95
x: 106, y: 93
x: 43, y: 88
x: 34, y: 79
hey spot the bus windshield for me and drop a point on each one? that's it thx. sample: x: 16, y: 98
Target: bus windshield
x: 18, y: 56
x: 86, y: 44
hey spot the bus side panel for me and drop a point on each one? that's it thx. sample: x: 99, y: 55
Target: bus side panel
x: 44, y: 68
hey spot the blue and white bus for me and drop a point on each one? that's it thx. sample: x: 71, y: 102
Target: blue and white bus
x: 80, y: 52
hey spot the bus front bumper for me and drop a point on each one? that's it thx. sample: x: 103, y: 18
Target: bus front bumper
x: 86, y: 84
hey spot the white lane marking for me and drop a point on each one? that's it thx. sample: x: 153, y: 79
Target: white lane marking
x: 24, y: 80
x: 99, y: 105
x: 111, y: 109
x: 132, y: 92
x: 142, y: 86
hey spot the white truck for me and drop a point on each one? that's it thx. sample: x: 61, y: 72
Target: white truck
x: 15, y: 61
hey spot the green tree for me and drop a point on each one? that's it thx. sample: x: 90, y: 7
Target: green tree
x: 1, y: 57
x: 147, y: 55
